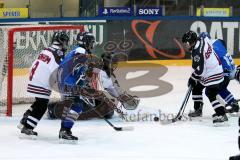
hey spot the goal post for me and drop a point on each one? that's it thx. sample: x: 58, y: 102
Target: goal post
x: 19, y: 47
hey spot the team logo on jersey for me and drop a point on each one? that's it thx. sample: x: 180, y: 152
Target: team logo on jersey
x: 209, y: 51
x: 196, y: 58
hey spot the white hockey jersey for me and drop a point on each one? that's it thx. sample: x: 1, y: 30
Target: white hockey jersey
x: 41, y: 70
x: 104, y: 82
x: 206, y: 63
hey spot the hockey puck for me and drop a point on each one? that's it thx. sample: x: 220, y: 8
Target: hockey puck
x: 156, y: 119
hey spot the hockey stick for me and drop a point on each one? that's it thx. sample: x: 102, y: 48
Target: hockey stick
x: 181, y: 110
x: 129, y: 128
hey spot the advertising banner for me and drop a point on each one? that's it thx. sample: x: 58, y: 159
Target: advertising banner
x: 154, y: 39
x: 161, y: 39
x: 150, y: 11
x: 13, y: 12
x: 214, y: 12
x: 115, y: 11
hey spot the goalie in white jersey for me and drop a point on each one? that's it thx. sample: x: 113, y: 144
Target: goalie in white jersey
x: 38, y: 86
x: 207, y: 72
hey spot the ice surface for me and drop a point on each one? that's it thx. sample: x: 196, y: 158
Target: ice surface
x: 187, y: 140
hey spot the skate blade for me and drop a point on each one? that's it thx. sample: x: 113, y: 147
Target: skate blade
x: 30, y: 137
x: 65, y: 141
x: 221, y: 124
x: 127, y: 128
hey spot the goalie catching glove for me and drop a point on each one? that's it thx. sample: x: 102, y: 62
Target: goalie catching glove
x: 128, y: 101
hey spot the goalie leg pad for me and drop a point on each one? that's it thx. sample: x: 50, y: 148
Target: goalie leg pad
x: 101, y: 107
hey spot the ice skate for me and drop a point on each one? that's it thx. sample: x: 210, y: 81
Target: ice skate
x: 65, y: 136
x: 23, y: 120
x: 195, y: 113
x: 27, y: 133
x: 233, y: 108
x: 220, y: 120
x: 198, y: 106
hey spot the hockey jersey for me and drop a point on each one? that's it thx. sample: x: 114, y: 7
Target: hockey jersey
x: 206, y: 64
x: 41, y: 70
x: 105, y: 82
x: 226, y: 59
x: 72, y: 69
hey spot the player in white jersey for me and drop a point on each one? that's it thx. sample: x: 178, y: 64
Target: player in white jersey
x: 38, y: 85
x: 207, y: 72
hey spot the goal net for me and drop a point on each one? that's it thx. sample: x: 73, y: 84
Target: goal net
x: 19, y: 47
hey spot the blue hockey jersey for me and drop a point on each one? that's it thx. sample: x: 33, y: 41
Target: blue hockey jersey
x: 72, y: 69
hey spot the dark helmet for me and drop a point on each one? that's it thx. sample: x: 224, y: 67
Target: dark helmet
x: 189, y: 37
x: 107, y: 56
x: 60, y: 38
x: 111, y: 59
x: 86, y: 39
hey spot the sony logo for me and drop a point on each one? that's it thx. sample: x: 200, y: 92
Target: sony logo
x: 148, y: 11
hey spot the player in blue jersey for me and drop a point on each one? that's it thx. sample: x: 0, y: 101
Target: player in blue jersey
x: 229, y: 70
x: 74, y: 68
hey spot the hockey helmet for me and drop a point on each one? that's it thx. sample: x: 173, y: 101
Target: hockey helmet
x: 111, y: 59
x: 189, y: 40
x: 61, y: 38
x: 86, y: 39
x: 189, y: 37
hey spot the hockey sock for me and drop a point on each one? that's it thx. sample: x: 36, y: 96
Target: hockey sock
x: 218, y: 107
x: 198, y: 101
x: 39, y: 107
x: 72, y: 115
x: 227, y: 96
x: 198, y: 105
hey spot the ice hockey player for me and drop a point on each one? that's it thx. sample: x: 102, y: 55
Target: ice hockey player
x: 108, y: 82
x: 229, y: 70
x: 76, y: 77
x: 219, y: 46
x: 38, y: 85
x: 207, y: 73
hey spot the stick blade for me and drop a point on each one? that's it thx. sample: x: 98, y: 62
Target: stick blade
x: 128, y: 128
x: 169, y: 121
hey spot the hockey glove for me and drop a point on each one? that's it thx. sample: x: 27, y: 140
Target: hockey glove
x: 129, y: 102
x: 192, y: 82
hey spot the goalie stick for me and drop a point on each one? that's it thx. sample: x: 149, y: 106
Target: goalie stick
x: 181, y: 110
x: 127, y: 128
